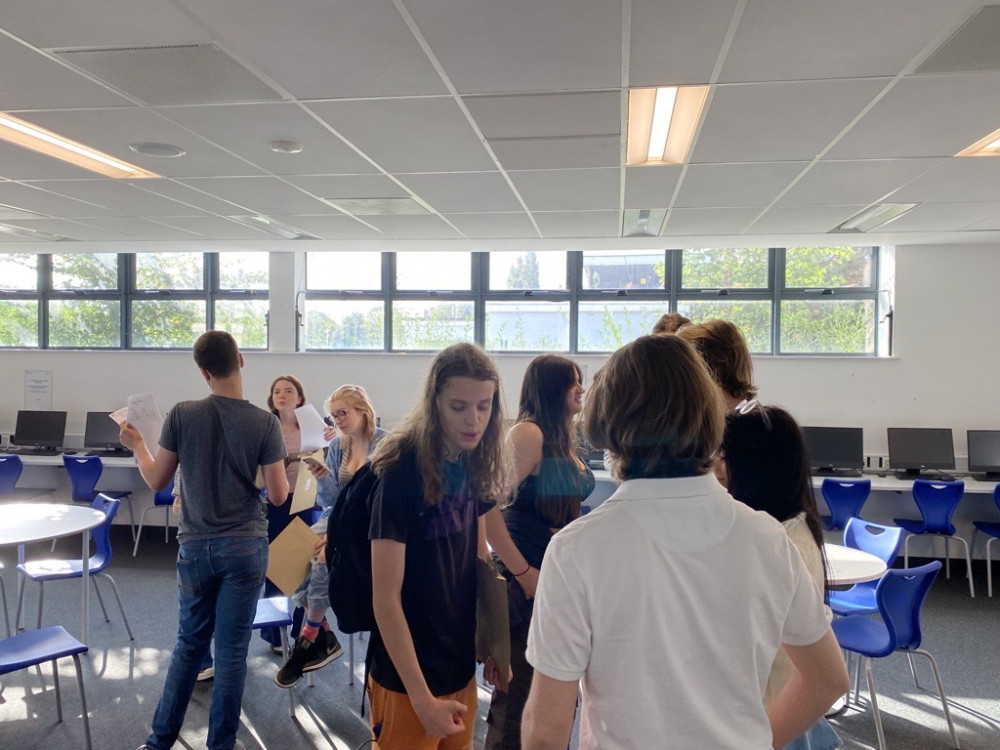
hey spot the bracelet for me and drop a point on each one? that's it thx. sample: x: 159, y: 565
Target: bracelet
x: 518, y: 575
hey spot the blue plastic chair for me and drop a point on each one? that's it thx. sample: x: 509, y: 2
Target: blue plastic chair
x: 84, y: 473
x: 10, y: 471
x: 162, y: 499
x: 274, y: 613
x: 25, y: 650
x: 57, y: 570
x: 991, y: 529
x: 936, y: 501
x: 876, y: 539
x: 844, y: 498
x: 900, y: 596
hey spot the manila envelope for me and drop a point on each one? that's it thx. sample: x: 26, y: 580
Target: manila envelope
x: 304, y: 494
x: 289, y: 556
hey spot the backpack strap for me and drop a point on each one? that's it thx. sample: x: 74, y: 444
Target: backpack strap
x: 220, y: 437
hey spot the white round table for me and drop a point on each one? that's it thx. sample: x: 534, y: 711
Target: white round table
x: 22, y: 523
x: 845, y: 565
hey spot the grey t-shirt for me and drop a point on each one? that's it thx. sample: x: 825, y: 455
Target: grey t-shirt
x: 216, y: 500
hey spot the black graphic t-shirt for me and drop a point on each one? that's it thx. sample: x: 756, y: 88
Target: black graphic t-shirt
x: 439, y: 583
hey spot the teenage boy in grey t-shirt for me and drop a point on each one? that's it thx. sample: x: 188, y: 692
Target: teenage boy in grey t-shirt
x: 219, y: 441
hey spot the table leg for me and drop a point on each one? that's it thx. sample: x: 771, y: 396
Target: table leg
x: 85, y: 619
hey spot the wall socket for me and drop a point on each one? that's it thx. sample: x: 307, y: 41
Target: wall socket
x: 876, y: 461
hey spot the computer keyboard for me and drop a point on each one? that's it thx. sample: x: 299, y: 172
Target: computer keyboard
x: 26, y: 451
x: 110, y: 453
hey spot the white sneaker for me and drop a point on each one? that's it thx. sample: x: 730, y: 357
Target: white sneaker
x: 206, y: 674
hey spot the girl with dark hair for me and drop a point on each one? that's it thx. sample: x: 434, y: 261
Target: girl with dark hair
x: 552, y: 483
x: 765, y: 466
x: 440, y: 472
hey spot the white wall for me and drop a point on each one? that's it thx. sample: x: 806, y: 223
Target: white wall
x: 943, y: 374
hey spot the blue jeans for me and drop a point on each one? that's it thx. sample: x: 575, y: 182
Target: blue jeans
x: 219, y: 583
x: 820, y: 736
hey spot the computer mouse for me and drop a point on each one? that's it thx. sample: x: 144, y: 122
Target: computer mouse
x: 69, y: 453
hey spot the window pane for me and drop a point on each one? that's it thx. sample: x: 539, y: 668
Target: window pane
x: 425, y: 271
x: 246, y: 319
x: 714, y: 268
x: 244, y: 271
x: 752, y: 317
x: 431, y: 325
x: 823, y: 267
x: 354, y: 324
x: 828, y: 326
x: 362, y: 271
x: 18, y: 271
x: 528, y: 270
x: 166, y: 324
x: 18, y: 322
x: 635, y: 270
x: 85, y: 323
x: 85, y: 271
x: 169, y: 271
x: 605, y: 326
x: 527, y: 326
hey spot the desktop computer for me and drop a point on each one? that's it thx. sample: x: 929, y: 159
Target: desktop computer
x: 914, y: 451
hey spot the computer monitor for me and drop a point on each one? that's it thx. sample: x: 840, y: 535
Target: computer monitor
x: 984, y: 454
x: 101, y: 431
x: 834, y: 450
x: 40, y: 429
x: 913, y: 450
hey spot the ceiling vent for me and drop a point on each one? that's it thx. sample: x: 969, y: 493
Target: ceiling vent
x: 181, y: 74
x: 974, y: 47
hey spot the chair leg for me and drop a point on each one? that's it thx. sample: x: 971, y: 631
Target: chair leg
x: 989, y: 567
x: 857, y: 681
x: 100, y: 599
x: 940, y: 687
x: 6, y: 614
x: 350, y: 648
x: 968, y: 565
x: 284, y: 656
x: 947, y: 558
x: 906, y: 550
x: 138, y: 532
x: 131, y: 515
x: 121, y: 607
x: 41, y: 600
x: 83, y: 700
x: 871, y: 695
x: 166, y: 524
x: 20, y: 603
x: 55, y: 679
x: 913, y: 671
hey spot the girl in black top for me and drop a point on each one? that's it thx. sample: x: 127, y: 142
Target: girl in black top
x: 552, y: 483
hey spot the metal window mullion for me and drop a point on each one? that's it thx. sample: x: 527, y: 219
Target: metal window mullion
x: 211, y: 286
x: 389, y: 290
x: 44, y: 275
x: 574, y: 283
x: 481, y: 288
x: 776, y: 269
x: 673, y: 271
x: 126, y: 272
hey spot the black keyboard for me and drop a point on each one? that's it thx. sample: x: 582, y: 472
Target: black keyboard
x: 986, y: 477
x: 25, y: 451
x: 110, y: 453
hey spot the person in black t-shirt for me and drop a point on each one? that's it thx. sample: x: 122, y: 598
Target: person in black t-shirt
x: 441, y: 471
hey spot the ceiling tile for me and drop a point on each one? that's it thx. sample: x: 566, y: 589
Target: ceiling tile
x: 248, y: 129
x: 494, y: 226
x: 318, y: 49
x: 558, y: 153
x: 650, y: 186
x: 806, y: 219
x: 547, y: 115
x: 950, y: 174
x: 779, y: 121
x: 735, y: 185
x: 121, y: 197
x: 579, y: 223
x: 334, y: 227
x: 489, y: 47
x: 464, y: 192
x: 837, y: 182
x: 40, y: 201
x: 695, y: 221
x: 926, y: 116
x: 18, y: 163
x: 985, y: 186
x: 409, y: 135
x: 142, y: 230
x: 942, y: 217
x: 428, y: 226
x: 265, y: 195
x: 568, y: 189
x: 215, y: 227
x: 74, y: 230
x: 188, y: 195
x: 857, y: 38
x: 350, y: 186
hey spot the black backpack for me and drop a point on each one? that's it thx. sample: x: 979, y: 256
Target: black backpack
x: 349, y: 553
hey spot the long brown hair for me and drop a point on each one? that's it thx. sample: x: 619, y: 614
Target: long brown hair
x: 421, y: 431
x: 722, y: 345
x: 299, y: 388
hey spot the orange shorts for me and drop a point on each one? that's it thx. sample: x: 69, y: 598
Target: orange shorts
x: 397, y: 727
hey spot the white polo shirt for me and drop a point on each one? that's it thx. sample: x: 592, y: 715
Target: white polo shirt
x: 670, y: 601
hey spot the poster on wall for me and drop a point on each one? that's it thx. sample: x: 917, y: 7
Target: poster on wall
x: 38, y: 390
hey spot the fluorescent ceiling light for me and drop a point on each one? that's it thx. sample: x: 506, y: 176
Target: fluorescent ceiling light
x: 46, y: 142
x: 662, y: 122
x: 643, y: 222
x: 876, y: 216
x: 273, y: 226
x: 988, y: 146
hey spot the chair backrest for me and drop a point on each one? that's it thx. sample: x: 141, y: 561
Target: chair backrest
x: 10, y: 472
x: 100, y: 534
x: 845, y: 497
x: 84, y: 471
x: 996, y: 495
x: 937, y: 502
x: 875, y: 538
x: 166, y: 495
x: 900, y: 597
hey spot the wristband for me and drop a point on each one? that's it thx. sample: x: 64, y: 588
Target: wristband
x: 518, y: 575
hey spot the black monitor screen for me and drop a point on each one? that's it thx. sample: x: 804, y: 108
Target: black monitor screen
x: 834, y: 447
x: 102, y: 431
x: 43, y: 428
x: 984, y: 451
x: 912, y: 448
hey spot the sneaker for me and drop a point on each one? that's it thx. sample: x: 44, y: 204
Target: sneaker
x: 291, y: 672
x: 277, y: 650
x: 328, y: 648
x: 206, y: 674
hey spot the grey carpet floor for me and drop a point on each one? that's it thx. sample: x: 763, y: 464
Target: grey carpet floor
x: 123, y: 678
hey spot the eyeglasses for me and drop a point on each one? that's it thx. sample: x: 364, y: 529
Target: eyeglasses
x: 747, y: 406
x: 340, y: 416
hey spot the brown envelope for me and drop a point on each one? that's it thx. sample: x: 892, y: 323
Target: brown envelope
x: 289, y: 556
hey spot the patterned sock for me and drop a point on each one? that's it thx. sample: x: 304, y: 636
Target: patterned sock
x: 310, y: 630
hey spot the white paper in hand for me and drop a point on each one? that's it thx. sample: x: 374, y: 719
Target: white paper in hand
x: 144, y: 415
x: 311, y: 426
